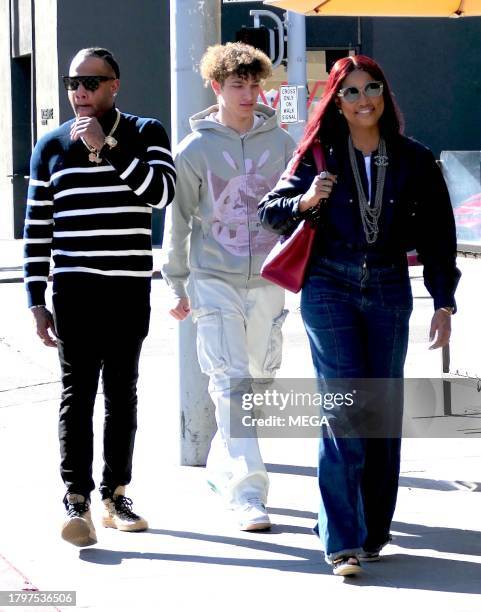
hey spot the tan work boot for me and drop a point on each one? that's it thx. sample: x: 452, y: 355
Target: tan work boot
x: 118, y: 513
x: 78, y: 529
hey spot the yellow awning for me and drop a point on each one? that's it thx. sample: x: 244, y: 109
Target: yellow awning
x: 382, y: 8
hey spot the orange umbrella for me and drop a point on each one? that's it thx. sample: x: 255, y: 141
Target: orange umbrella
x: 382, y: 8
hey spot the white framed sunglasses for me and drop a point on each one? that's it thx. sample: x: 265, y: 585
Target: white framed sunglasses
x: 373, y: 89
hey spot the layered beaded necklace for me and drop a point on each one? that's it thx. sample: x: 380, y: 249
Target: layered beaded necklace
x: 370, y: 214
x: 93, y: 152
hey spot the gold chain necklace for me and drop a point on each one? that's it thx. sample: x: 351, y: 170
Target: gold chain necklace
x: 94, y: 153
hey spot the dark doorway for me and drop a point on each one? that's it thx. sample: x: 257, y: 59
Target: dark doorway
x: 21, y: 136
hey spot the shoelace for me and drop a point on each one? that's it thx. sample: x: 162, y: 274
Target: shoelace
x: 123, y: 505
x: 256, y: 502
x: 77, y: 509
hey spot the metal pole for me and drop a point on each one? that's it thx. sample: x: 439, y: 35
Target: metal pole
x: 296, y: 68
x: 194, y: 26
x: 33, y: 78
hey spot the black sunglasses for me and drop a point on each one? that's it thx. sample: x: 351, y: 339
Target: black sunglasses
x: 373, y: 89
x: 89, y: 82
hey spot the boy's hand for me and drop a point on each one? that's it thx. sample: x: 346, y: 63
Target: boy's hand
x: 181, y: 309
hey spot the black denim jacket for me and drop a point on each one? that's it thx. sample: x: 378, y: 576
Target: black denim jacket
x: 416, y: 212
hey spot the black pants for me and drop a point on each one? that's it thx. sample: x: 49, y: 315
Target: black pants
x: 100, y: 330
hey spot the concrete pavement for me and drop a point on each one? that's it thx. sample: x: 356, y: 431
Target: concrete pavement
x: 192, y: 557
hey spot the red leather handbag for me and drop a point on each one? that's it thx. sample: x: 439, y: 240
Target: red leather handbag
x: 413, y: 258
x: 287, y: 262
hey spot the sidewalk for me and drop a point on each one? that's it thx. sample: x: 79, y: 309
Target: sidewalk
x: 11, y: 253
x: 192, y: 557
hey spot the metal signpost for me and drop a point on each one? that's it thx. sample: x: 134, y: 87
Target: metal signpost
x: 193, y: 27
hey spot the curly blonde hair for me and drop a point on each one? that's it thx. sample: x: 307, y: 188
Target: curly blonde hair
x: 221, y: 61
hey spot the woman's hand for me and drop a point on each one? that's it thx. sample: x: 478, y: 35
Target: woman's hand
x: 320, y: 189
x: 440, y: 329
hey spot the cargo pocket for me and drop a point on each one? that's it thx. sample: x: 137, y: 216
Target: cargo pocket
x: 211, y: 346
x: 274, y: 348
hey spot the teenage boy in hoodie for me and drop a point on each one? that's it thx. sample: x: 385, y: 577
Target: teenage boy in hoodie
x: 234, y: 155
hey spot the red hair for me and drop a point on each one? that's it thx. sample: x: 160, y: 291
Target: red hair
x: 328, y: 125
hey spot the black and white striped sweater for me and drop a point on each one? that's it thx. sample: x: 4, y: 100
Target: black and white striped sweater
x: 95, y: 219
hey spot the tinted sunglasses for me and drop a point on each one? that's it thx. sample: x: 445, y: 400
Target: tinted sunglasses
x: 89, y: 82
x: 373, y: 89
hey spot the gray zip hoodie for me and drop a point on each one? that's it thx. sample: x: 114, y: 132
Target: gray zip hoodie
x: 212, y: 227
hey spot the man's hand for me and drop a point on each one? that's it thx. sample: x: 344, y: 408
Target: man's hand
x: 45, y: 326
x: 440, y: 329
x: 181, y: 309
x: 90, y: 130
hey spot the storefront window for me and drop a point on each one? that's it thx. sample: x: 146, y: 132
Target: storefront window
x: 462, y: 171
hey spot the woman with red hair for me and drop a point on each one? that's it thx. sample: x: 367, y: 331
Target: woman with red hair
x: 382, y: 195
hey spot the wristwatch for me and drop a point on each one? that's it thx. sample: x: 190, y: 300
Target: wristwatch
x: 110, y: 141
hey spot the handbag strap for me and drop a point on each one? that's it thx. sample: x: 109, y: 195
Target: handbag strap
x: 318, y: 154
x: 319, y: 159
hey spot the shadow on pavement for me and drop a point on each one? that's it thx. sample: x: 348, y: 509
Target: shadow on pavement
x: 403, y: 571
x: 279, y: 528
x: 411, y: 535
x: 304, y: 560
x: 297, y: 470
x: 442, y: 539
x: 439, y: 485
x: 305, y: 514
x: 404, y: 481
x: 395, y: 571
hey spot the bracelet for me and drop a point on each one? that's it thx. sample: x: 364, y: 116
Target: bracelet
x: 37, y: 306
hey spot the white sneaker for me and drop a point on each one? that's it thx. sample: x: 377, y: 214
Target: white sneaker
x: 252, y: 516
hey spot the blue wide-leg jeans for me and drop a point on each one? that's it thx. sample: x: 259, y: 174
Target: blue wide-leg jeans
x: 356, y: 312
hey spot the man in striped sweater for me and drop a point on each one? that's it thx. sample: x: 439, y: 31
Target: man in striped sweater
x: 93, y: 184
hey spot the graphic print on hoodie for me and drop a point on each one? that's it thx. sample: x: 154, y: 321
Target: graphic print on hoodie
x: 235, y: 197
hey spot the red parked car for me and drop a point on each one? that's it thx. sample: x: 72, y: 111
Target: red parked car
x: 468, y: 219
